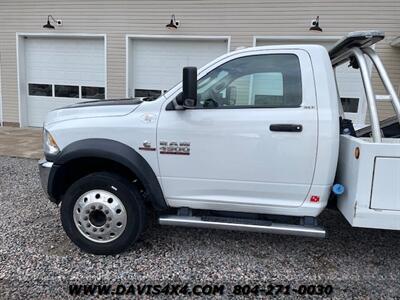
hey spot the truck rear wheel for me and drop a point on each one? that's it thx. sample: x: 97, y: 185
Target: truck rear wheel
x: 103, y: 213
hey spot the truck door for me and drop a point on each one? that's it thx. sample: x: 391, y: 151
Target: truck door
x: 250, y: 141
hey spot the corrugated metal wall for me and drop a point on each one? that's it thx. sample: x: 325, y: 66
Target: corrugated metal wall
x: 236, y: 18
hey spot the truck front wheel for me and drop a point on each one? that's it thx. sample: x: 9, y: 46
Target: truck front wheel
x: 103, y: 213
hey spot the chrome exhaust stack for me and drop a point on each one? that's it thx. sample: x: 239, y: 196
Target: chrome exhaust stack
x: 239, y: 225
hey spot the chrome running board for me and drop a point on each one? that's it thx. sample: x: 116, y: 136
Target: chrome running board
x: 257, y: 226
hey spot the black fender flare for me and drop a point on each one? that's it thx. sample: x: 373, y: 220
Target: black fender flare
x: 117, y: 152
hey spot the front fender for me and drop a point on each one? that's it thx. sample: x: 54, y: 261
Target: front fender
x: 110, y: 150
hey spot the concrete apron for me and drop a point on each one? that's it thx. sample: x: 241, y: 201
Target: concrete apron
x: 21, y: 142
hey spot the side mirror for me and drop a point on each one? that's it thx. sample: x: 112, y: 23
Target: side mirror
x: 188, y: 97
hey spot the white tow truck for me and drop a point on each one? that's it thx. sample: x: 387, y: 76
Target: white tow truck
x: 254, y: 141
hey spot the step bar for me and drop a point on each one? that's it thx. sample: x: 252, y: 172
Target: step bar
x: 275, y: 228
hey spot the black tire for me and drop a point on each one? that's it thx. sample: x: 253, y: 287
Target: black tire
x: 127, y: 193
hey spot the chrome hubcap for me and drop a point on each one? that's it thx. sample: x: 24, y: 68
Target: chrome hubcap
x: 100, y: 216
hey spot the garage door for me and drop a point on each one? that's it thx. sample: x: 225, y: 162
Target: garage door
x: 155, y: 65
x: 59, y: 72
x: 349, y: 81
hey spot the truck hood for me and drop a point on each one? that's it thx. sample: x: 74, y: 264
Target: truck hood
x: 94, y: 109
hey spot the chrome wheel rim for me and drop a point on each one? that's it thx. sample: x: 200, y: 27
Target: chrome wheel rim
x: 100, y: 216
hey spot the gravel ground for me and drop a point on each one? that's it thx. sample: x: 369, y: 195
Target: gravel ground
x: 38, y: 260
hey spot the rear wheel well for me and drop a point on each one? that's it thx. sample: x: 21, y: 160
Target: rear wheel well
x: 75, y: 169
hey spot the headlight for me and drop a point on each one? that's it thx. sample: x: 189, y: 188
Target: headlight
x: 49, y: 143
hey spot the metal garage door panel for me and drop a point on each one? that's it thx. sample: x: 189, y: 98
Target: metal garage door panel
x: 60, y: 61
x: 157, y: 63
x: 65, y: 60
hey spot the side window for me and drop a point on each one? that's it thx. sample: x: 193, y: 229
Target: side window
x: 92, y: 92
x: 269, y: 81
x: 40, y: 90
x: 67, y: 91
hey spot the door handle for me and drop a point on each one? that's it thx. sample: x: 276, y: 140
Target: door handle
x: 286, y: 127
